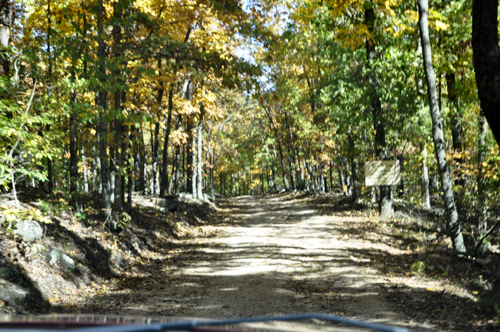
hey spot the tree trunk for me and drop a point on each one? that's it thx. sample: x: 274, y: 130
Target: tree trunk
x: 139, y: 158
x: 117, y: 36
x: 97, y: 160
x: 128, y: 158
x: 49, y: 92
x: 178, y: 159
x: 103, y: 129
x: 456, y: 133
x: 481, y: 190
x: 426, y: 200
x: 401, y: 185
x: 194, y: 172
x: 112, y: 166
x: 341, y: 175
x: 331, y: 173
x: 155, y: 145
x: 164, y: 172
x: 73, y: 149
x: 199, y: 193
x: 189, y: 157
x: 85, y: 171
x: 487, y: 60
x: 212, y: 171
x: 119, y: 185
x: 354, y: 176
x: 386, y: 208
x: 5, y: 26
x: 437, y: 131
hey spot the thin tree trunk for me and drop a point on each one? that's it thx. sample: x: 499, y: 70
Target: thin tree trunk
x: 73, y: 149
x: 401, y: 185
x: 47, y: 127
x: 386, y: 208
x: 6, y: 20
x: 481, y: 190
x: 341, y: 175
x: 103, y: 129
x: 155, y: 145
x: 142, y: 159
x: 426, y: 200
x: 212, y: 171
x: 85, y: 172
x: 456, y: 133
x: 178, y: 159
x: 112, y: 166
x: 118, y: 178
x: 199, y: 193
x: 128, y: 158
x: 184, y: 168
x: 267, y: 179
x: 189, y: 156
x: 194, y: 172
x: 354, y: 176
x: 437, y: 131
x: 97, y: 160
x: 331, y: 173
x: 119, y: 185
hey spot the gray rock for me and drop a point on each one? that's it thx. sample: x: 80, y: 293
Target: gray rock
x: 169, y: 203
x: 58, y: 258
x: 29, y: 230
x: 13, y: 293
x: 10, y: 274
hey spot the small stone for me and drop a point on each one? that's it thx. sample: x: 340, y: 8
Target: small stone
x: 10, y: 274
x: 29, y: 230
x: 13, y: 293
x: 57, y: 257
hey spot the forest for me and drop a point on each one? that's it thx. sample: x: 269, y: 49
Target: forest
x: 220, y: 98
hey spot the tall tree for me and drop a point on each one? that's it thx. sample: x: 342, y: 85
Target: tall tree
x: 5, y: 27
x: 487, y: 60
x: 386, y: 207
x: 437, y: 130
x: 102, y: 125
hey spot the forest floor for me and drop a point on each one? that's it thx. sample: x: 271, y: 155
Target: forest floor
x: 276, y: 255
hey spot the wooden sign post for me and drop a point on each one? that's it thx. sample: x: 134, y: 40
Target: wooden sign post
x: 382, y: 173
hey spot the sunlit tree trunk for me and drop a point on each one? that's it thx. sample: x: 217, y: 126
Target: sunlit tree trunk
x: 178, y: 159
x: 155, y: 143
x: 85, y: 171
x: 199, y: 189
x: 426, y: 200
x: 354, y: 176
x: 5, y: 26
x: 481, y: 190
x: 437, y: 131
x: 112, y: 165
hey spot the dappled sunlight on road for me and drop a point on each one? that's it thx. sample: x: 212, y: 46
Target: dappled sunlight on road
x: 277, y: 245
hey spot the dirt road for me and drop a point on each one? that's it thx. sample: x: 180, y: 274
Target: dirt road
x: 275, y: 257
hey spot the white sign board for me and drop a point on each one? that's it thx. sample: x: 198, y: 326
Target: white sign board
x: 382, y: 173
